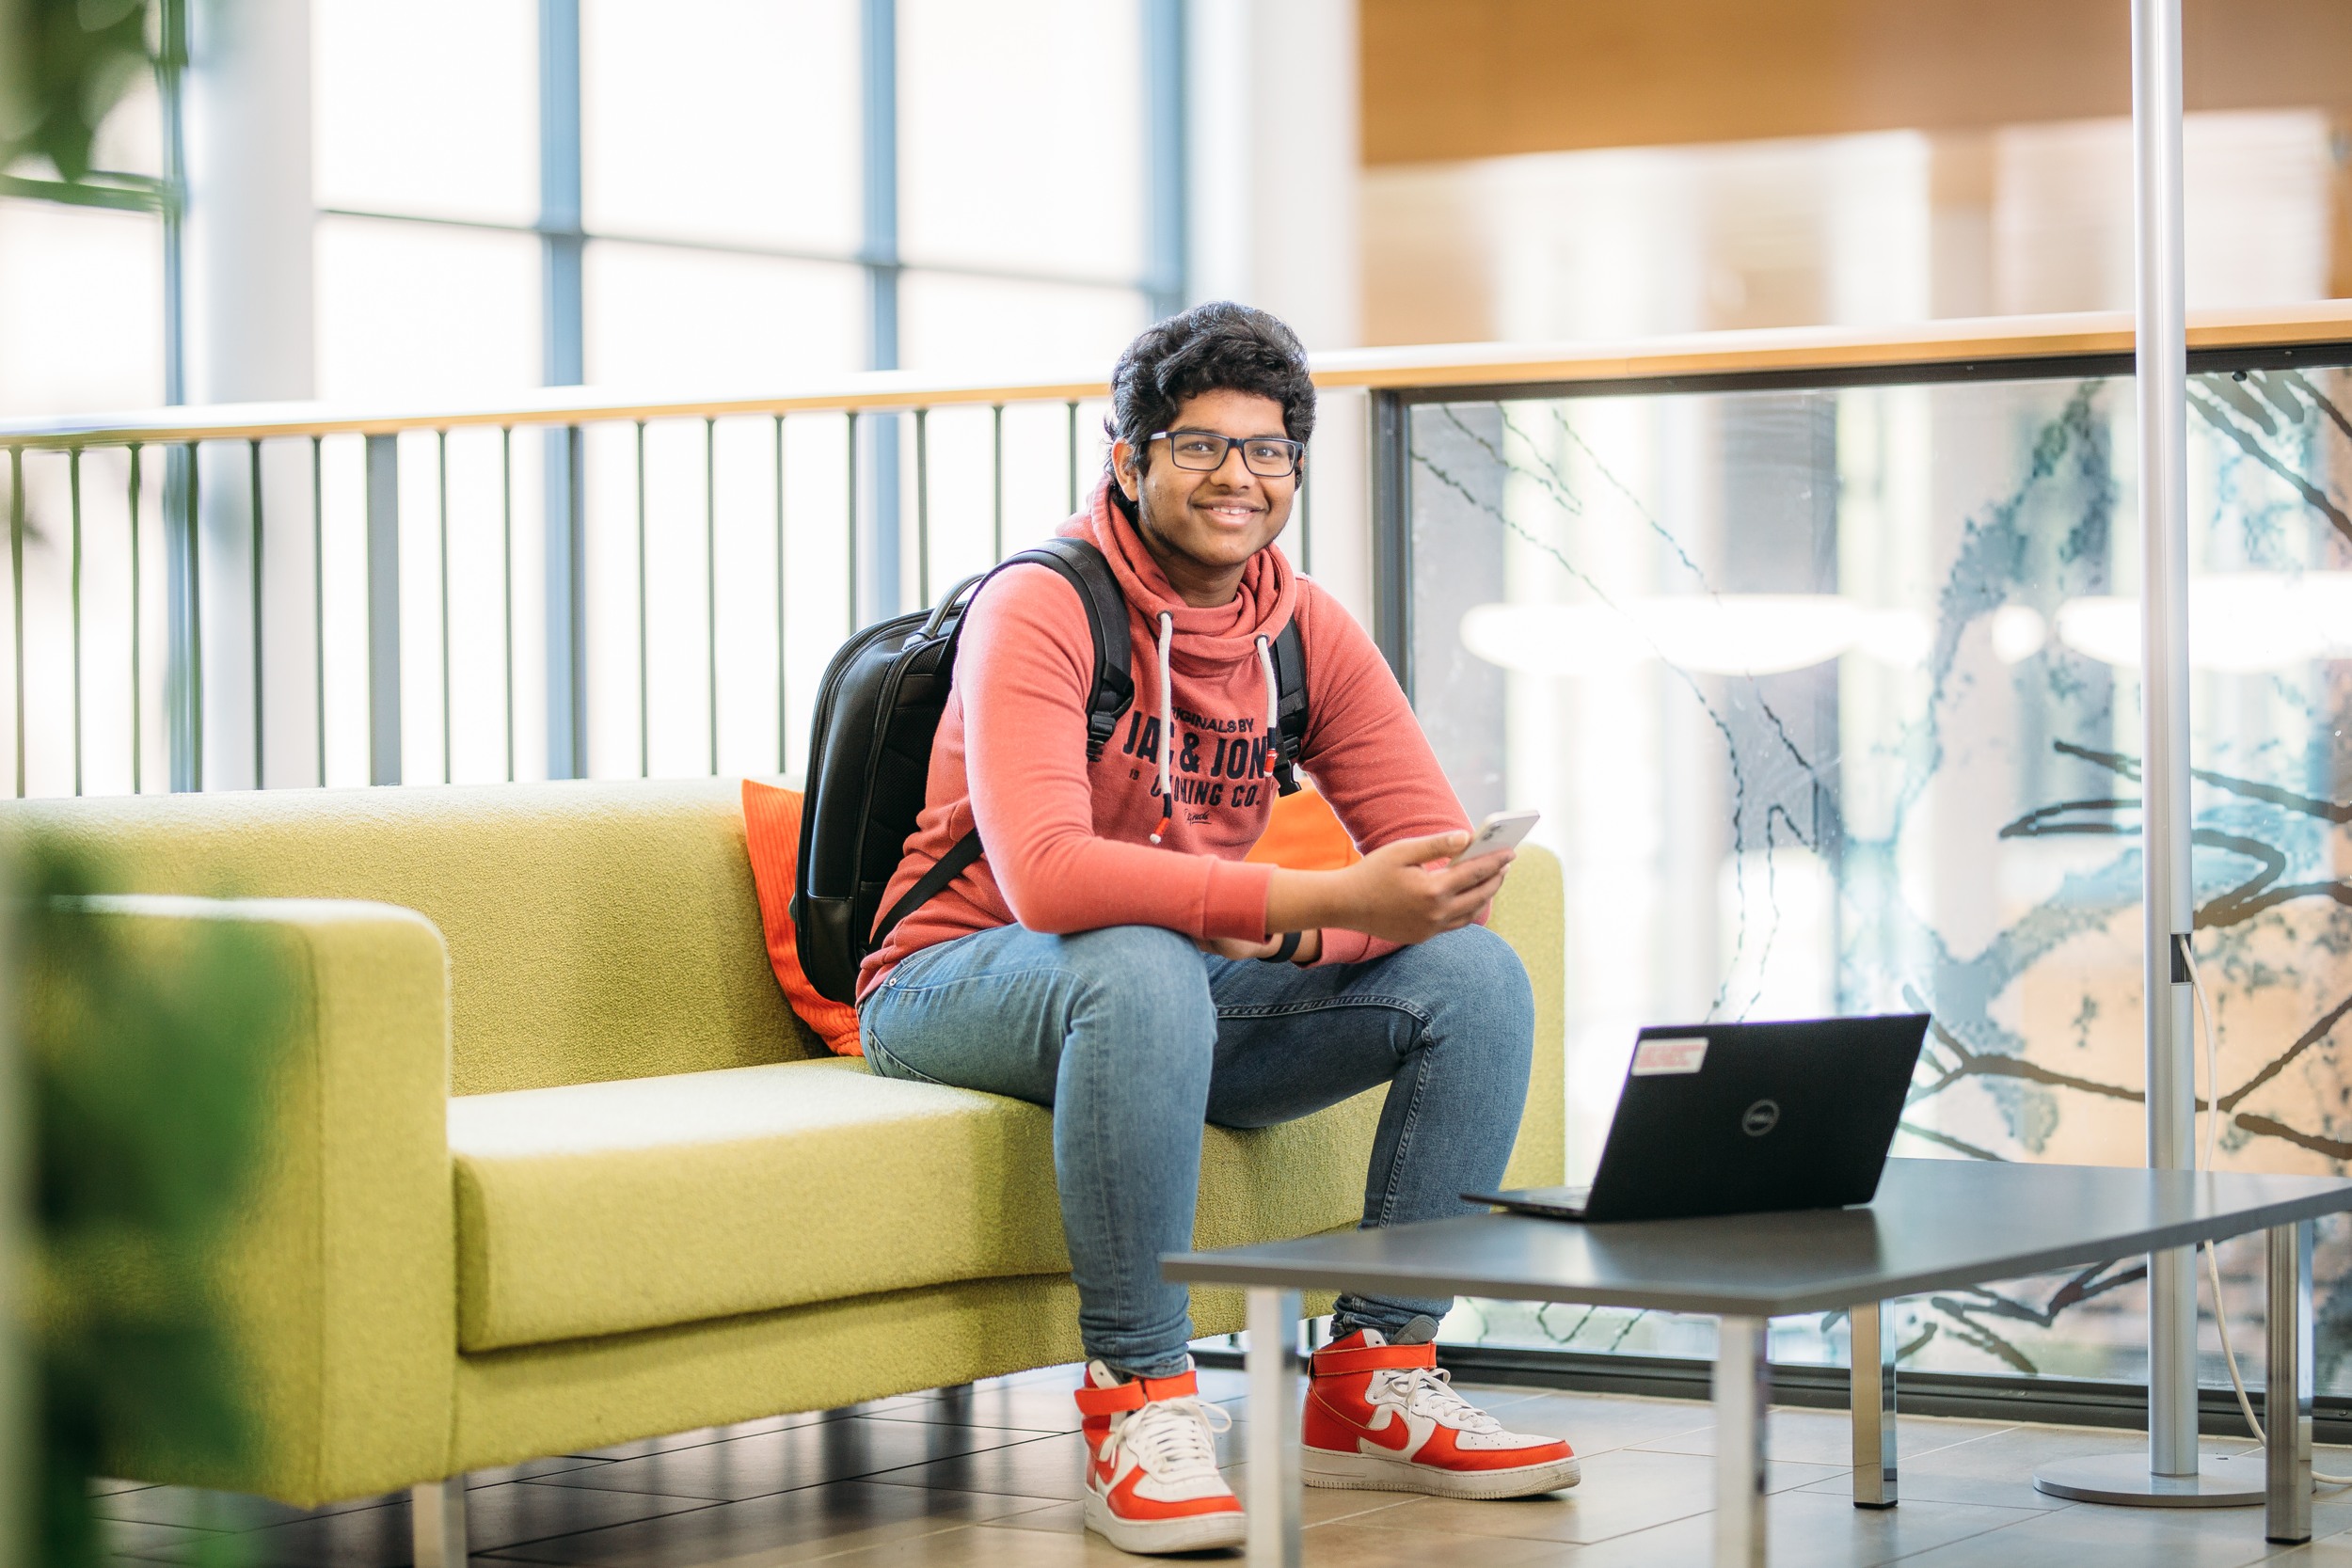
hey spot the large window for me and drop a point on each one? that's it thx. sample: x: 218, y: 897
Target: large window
x: 755, y: 193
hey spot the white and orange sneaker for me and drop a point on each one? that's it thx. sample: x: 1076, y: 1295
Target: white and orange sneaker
x: 1152, y: 1478
x: 1383, y: 1417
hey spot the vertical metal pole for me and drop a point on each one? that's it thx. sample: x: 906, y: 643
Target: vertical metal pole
x: 851, y: 540
x: 1306, y: 517
x: 383, y: 470
x: 922, y: 506
x: 16, y: 592
x: 2168, y: 884
x: 73, y: 480
x: 783, y: 692
x: 138, y: 758
x: 440, y: 513
x: 644, y: 684
x: 564, y: 364
x: 1392, y: 534
x: 1872, y: 1364
x: 710, y: 577
x: 997, y: 483
x: 1271, y: 1363
x: 318, y: 599
x: 183, y: 669
x: 567, y: 606
x: 1072, y: 448
x: 1742, y: 1396
x: 2287, y: 1387
x: 506, y: 573
x: 253, y: 453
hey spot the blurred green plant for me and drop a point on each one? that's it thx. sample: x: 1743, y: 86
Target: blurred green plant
x: 147, y: 1070
x: 64, y: 65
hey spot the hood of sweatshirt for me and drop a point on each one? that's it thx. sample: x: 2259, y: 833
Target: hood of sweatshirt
x: 1201, y: 641
x: 1205, y: 639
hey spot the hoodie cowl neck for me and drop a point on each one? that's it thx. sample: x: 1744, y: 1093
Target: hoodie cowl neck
x: 1217, y: 634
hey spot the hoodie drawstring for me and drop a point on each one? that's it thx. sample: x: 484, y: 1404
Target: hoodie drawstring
x: 1273, y: 704
x: 1167, y: 723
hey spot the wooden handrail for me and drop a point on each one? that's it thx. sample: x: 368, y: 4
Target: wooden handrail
x: 1787, y: 350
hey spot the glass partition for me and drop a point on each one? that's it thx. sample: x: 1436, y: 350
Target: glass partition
x: 1830, y: 700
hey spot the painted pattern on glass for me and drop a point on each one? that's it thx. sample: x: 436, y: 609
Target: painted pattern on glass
x: 1830, y: 698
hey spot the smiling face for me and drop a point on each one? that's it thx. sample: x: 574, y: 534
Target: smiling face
x: 1203, y: 528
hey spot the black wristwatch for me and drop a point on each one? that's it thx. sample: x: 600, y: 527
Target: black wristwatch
x: 1285, y: 953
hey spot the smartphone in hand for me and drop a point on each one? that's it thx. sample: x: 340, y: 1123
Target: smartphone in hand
x: 1503, y: 831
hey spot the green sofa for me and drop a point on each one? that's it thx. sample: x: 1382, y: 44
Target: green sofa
x: 553, y: 1168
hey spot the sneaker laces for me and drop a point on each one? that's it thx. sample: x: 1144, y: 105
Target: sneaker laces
x: 1172, y: 1439
x: 1428, y: 1391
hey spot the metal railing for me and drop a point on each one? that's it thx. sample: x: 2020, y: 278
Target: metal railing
x: 879, y: 551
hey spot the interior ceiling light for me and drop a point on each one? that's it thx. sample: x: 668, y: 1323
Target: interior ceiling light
x: 2239, y: 621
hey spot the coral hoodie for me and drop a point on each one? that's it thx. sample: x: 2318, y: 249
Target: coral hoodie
x: 1069, y: 846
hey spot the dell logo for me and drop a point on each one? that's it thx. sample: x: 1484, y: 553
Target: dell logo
x: 1759, y: 1119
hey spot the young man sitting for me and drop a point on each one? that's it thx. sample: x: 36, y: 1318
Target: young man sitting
x: 1112, y: 957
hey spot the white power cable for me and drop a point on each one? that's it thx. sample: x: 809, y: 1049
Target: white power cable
x: 2213, y: 1265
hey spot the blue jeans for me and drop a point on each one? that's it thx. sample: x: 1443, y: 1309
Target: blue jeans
x: 1135, y: 1038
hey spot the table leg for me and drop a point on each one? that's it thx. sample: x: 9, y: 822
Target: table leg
x: 1271, y: 1363
x: 1873, y: 1376
x: 1742, y: 1393
x: 2287, y: 1394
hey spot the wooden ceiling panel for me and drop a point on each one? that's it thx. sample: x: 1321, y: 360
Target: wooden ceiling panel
x: 1449, y: 79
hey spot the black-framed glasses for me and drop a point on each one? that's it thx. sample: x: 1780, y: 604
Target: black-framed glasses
x: 1204, y: 452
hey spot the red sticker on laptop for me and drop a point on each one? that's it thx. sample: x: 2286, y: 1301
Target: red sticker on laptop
x: 1669, y: 1053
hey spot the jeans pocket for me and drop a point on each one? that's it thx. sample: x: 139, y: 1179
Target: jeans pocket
x: 888, y: 1065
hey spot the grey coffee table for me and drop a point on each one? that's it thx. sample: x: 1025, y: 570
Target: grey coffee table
x: 1935, y: 1223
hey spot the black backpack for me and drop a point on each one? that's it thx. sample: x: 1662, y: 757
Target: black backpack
x: 869, y: 754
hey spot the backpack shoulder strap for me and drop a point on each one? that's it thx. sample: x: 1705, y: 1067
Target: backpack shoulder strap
x: 1111, y: 694
x: 1289, y: 706
x: 1113, y: 690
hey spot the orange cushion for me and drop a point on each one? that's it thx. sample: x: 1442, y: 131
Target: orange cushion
x: 772, y: 828
x: 1304, y: 835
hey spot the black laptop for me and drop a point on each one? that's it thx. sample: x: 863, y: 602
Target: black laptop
x: 1743, y: 1119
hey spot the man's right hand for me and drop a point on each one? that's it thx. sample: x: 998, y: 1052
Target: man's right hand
x: 1402, y: 891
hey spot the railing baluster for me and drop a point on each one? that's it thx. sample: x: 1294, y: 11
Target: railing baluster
x: 1073, y: 454
x: 440, y: 476
x: 16, y: 589
x: 784, y: 697
x: 387, y: 752
x: 922, y: 506
x: 253, y: 453
x: 710, y: 574
x: 318, y: 602
x: 1306, y: 519
x: 139, y: 760
x: 194, y: 537
x: 996, y: 481
x: 74, y: 481
x: 852, y: 574
x: 644, y: 683
x: 507, y: 544
x: 784, y: 694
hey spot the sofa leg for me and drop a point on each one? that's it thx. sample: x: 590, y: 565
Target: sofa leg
x: 438, y: 1517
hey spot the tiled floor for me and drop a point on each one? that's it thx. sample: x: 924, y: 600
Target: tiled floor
x: 986, y: 1476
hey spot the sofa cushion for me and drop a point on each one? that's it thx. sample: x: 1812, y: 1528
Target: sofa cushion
x: 605, y: 1208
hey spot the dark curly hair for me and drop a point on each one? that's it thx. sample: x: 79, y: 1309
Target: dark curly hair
x: 1215, y: 347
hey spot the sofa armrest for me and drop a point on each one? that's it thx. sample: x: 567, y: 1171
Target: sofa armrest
x: 1530, y: 913
x: 338, y: 1272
